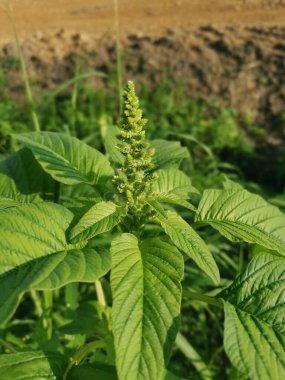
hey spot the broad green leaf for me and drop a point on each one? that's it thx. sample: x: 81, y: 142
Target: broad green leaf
x: 34, y: 253
x: 31, y: 365
x: 255, y: 319
x: 168, y: 154
x: 174, y: 187
x: 145, y: 281
x: 242, y: 216
x: 67, y: 159
x: 23, y: 179
x: 100, y: 218
x: 84, y: 265
x: 187, y: 239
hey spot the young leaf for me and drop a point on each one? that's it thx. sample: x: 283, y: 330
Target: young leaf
x: 146, y: 289
x: 242, y: 216
x: 31, y: 365
x: 40, y: 256
x: 67, y: 159
x: 168, y: 153
x: 174, y: 187
x: 100, y: 218
x: 111, y: 143
x: 174, y: 180
x: 172, y: 198
x: 255, y: 319
x: 186, y: 239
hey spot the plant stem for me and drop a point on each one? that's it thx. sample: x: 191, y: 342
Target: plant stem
x: 204, y: 298
x: 7, y: 345
x: 37, y: 302
x: 191, y: 354
x: 118, y: 54
x: 74, y: 96
x: 24, y: 72
x: 71, y: 295
x: 82, y: 353
x: 100, y: 293
x: 48, y: 298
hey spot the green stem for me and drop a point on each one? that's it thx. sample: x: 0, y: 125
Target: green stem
x: 48, y: 298
x: 74, y: 96
x: 241, y: 259
x: 190, y: 353
x: 37, y: 302
x: 82, y: 353
x: 100, y: 293
x: 118, y: 54
x: 7, y: 345
x: 204, y: 298
x: 71, y: 295
x: 24, y: 72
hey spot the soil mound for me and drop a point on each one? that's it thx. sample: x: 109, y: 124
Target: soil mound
x: 237, y: 67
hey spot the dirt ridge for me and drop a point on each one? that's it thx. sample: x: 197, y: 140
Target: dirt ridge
x: 237, y: 67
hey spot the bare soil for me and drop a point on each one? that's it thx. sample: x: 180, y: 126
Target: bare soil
x: 96, y: 17
x: 230, y: 53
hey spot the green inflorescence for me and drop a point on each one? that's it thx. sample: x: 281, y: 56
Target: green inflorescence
x: 135, y: 178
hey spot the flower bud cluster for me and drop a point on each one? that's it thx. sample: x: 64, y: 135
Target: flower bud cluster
x: 134, y: 179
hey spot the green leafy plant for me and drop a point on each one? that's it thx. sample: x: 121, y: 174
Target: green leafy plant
x: 69, y: 215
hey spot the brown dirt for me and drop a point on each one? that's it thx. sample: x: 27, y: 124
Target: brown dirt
x: 229, y: 53
x: 97, y: 16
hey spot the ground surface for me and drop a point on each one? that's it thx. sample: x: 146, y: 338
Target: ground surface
x: 151, y: 16
x: 230, y: 52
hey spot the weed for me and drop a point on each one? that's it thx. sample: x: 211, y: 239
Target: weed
x: 135, y: 226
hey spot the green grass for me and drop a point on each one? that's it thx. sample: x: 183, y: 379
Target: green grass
x: 216, y: 138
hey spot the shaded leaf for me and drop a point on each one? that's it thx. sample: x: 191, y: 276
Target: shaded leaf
x: 93, y: 371
x: 168, y: 153
x: 23, y: 179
